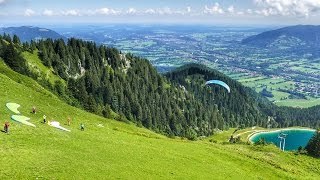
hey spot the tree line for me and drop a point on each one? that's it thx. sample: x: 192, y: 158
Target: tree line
x: 105, y: 81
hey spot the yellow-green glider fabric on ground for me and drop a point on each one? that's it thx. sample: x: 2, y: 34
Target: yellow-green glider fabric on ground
x: 13, y: 107
x: 22, y: 119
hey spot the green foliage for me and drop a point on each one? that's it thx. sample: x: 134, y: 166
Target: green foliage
x: 266, y: 93
x: 313, y: 146
x: 101, y: 77
x: 12, y: 57
x: 7, y: 38
x: 235, y: 139
x: 103, y: 81
x: 213, y: 140
x: 16, y: 40
x: 191, y: 134
x: 59, y: 88
x: 301, y: 151
x: 262, y: 142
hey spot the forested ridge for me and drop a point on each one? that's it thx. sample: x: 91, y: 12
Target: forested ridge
x: 102, y: 80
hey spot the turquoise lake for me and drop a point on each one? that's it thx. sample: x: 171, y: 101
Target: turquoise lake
x: 294, y: 137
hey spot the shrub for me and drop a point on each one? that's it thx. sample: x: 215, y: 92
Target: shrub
x: 191, y: 134
x: 262, y: 142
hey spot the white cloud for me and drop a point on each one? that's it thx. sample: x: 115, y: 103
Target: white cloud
x: 164, y: 11
x: 231, y: 9
x: 216, y: 9
x: 288, y: 7
x: 105, y: 11
x: 71, y: 12
x: 110, y: 11
x: 29, y: 12
x: 188, y: 9
x: 159, y: 11
x: 131, y: 11
x: 75, y: 12
x: 167, y: 11
x: 48, y: 12
x: 150, y: 11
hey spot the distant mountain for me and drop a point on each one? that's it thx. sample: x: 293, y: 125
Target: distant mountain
x: 28, y: 33
x: 292, y: 36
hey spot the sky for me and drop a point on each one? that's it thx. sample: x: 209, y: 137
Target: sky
x: 214, y: 12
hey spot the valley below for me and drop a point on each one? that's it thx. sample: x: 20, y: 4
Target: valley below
x: 290, y: 74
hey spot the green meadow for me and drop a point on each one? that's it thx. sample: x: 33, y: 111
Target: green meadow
x: 258, y: 83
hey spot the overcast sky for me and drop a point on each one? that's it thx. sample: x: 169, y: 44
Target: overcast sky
x: 215, y: 12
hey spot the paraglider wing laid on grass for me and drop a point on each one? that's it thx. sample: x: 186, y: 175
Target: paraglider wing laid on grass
x: 221, y: 83
x: 56, y: 124
x: 13, y: 107
x: 22, y: 119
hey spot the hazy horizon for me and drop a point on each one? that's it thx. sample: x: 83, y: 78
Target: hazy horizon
x: 204, y: 12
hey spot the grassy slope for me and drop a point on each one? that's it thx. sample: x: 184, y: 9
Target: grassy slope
x: 36, y: 65
x: 299, y: 102
x: 120, y: 150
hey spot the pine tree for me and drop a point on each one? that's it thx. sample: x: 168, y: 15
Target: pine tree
x: 7, y: 37
x: 313, y: 146
x: 13, y: 59
x: 16, y: 40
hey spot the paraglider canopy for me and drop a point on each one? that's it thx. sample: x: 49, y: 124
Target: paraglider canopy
x: 221, y: 83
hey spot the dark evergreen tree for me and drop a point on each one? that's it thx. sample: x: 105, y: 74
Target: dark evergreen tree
x: 16, y: 40
x: 13, y: 59
x: 313, y: 146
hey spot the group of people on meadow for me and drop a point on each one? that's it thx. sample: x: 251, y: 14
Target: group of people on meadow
x: 34, y: 111
x: 68, y: 119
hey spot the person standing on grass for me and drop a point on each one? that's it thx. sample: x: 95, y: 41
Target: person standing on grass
x: 69, y: 121
x: 6, y: 127
x: 82, y: 127
x: 44, y: 119
x: 34, y: 110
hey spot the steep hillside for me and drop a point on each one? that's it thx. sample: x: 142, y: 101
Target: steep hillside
x: 121, y: 150
x: 28, y: 33
x: 293, y: 36
x: 241, y: 100
x: 102, y: 80
x: 240, y: 107
x: 36, y: 66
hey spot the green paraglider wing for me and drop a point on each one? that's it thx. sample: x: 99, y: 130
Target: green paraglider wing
x: 13, y: 107
x: 221, y: 83
x: 22, y: 119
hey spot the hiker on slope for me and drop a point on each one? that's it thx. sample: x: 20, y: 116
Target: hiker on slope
x: 6, y: 127
x: 44, y: 119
